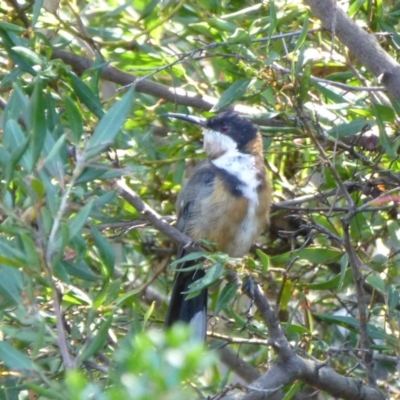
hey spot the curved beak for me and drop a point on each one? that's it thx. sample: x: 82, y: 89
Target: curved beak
x: 190, y: 118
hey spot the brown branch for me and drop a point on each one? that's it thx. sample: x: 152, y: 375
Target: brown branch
x: 236, y: 364
x: 152, y: 216
x: 20, y: 13
x: 356, y: 266
x: 62, y: 343
x: 363, y: 46
x: 80, y: 64
x: 290, y: 367
x: 354, y: 261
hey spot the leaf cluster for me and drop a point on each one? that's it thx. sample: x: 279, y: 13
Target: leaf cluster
x: 84, y: 277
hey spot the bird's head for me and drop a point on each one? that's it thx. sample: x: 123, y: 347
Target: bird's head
x: 225, y: 132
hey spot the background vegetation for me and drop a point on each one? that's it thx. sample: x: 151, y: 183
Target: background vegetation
x: 84, y: 276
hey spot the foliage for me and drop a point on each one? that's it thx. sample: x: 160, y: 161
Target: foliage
x: 82, y: 285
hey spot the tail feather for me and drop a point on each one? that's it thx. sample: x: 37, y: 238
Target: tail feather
x: 192, y: 311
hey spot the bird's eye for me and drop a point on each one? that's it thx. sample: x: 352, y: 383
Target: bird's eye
x: 224, y: 128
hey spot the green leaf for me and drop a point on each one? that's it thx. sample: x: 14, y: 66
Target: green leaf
x: 344, y: 262
x: 303, y: 35
x: 8, y: 42
x: 53, y: 151
x: 105, y: 250
x: 30, y: 56
x: 10, y: 255
x: 221, y: 25
x: 305, y: 84
x: 37, y: 108
x: 17, y: 143
x: 37, y: 7
x: 293, y: 328
x: 354, y: 325
x: 376, y: 282
x: 110, y: 124
x: 264, y: 260
x: 80, y: 270
x: 332, y: 284
x: 274, y: 21
x: 212, y: 274
x: 11, y: 284
x: 74, y: 119
x: 148, y: 314
x: 195, y: 255
x: 11, y: 27
x: 286, y: 295
x: 86, y: 95
x: 90, y: 174
x: 76, y: 224
x: 149, y: 9
x: 203, y: 28
x: 17, y: 106
x: 313, y: 255
x: 14, y: 359
x: 383, y: 136
x: 32, y: 258
x: 99, y: 341
x: 393, y: 299
x: 350, y: 128
x: 386, y: 113
x: 293, y: 390
x: 240, y: 36
x: 233, y: 93
x: 227, y: 294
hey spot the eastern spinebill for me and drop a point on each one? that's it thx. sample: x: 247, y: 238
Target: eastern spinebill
x: 226, y: 200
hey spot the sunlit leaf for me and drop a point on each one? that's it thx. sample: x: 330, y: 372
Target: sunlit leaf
x: 227, y: 294
x: 110, y: 124
x: 75, y: 119
x: 14, y: 359
x: 105, y: 250
x: 212, y: 274
x: 350, y: 128
x: 100, y: 339
x: 37, y: 108
x: 232, y: 94
x: 86, y: 95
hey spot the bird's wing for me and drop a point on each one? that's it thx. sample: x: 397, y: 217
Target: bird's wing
x: 194, y: 310
x: 198, y: 187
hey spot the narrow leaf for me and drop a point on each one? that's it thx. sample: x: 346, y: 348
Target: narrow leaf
x: 302, y: 37
x: 76, y: 224
x: 86, y: 96
x: 264, y: 260
x: 212, y: 274
x: 37, y: 108
x: 74, y: 119
x: 14, y: 359
x: 110, y: 124
x: 11, y: 284
x: 233, y: 93
x: 106, y: 251
x: 227, y: 294
x: 350, y: 128
x: 99, y: 341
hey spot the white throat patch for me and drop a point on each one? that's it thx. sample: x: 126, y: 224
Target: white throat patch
x: 230, y: 159
x: 243, y: 166
x: 216, y: 143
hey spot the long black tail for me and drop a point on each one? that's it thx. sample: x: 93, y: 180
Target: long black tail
x: 192, y: 311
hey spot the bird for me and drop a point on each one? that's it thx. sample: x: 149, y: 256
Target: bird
x: 226, y: 200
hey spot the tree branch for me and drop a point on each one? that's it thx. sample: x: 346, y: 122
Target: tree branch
x: 290, y: 367
x: 362, y: 45
x: 179, y: 96
x: 153, y: 217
